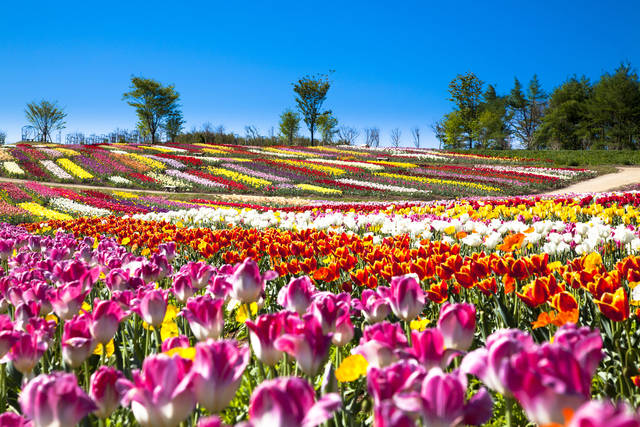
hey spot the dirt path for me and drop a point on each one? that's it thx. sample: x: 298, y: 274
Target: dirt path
x: 240, y: 198
x: 607, y: 182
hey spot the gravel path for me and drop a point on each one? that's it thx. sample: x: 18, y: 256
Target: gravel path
x: 624, y: 176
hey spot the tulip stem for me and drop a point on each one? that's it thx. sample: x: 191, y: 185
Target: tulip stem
x: 147, y: 343
x: 3, y: 392
x: 86, y: 373
x: 508, y: 412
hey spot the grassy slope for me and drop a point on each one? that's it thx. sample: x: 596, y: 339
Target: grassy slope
x: 571, y: 157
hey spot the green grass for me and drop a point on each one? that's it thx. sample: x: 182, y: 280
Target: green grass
x: 570, y: 158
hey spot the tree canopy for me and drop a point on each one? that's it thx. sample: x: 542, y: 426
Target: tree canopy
x: 45, y: 117
x: 311, y: 93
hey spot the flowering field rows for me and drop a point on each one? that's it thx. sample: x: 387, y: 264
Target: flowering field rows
x: 316, y: 171
x: 487, y: 311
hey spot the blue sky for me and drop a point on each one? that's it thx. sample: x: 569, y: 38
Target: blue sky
x: 233, y: 62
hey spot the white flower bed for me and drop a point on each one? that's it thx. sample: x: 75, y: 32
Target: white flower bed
x: 67, y: 205
x: 119, y: 180
x: 192, y: 178
x: 378, y: 186
x: 169, y: 180
x: 55, y: 170
x: 363, y: 165
x: 13, y: 168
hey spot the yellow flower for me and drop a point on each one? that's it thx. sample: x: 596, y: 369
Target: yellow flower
x: 450, y: 229
x: 74, y: 169
x: 110, y: 349
x: 184, y: 352
x: 592, y: 261
x: 41, y: 211
x: 145, y: 252
x: 555, y: 265
x: 419, y: 324
x: 125, y: 241
x: 352, y: 368
x: 241, y: 314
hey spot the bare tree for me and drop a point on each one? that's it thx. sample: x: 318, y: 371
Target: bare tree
x: 348, y: 134
x: 372, y: 136
x: 251, y: 133
x: 395, y: 137
x: 368, y: 132
x: 415, y: 133
x: 3, y: 136
x: 207, y: 130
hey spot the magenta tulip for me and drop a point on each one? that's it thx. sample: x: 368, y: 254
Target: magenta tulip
x: 161, y: 394
x: 457, y: 323
x: 297, y: 295
x: 373, y: 304
x: 11, y: 419
x: 55, y: 400
x: 428, y: 348
x: 601, y: 413
x: 217, y: 372
x: 344, y: 331
x: 247, y: 283
x: 8, y: 336
x: 182, y: 287
x: 205, y: 316
x: 382, y: 344
x: 103, y: 390
x: 77, y: 342
x: 211, y: 421
x: 151, y: 306
x: 406, y: 297
x: 385, y: 383
x: 181, y: 341
x: 105, y: 320
x: 388, y: 415
x: 26, y: 352
x: 67, y: 299
x: 584, y: 343
x: 200, y: 273
x: 309, y: 345
x: 290, y: 402
x: 263, y: 334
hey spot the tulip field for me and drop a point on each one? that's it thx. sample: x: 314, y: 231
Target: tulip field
x: 497, y: 307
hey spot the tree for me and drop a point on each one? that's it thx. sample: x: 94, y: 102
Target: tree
x: 312, y: 92
x: 3, y: 136
x: 348, y: 134
x: 154, y: 104
x: 45, y: 117
x: 527, y: 111
x: 328, y: 127
x: 465, y: 92
x: 251, y: 133
x: 395, y: 137
x: 173, y: 125
x: 492, y: 125
x: 415, y: 134
x: 372, y: 137
x: 289, y: 125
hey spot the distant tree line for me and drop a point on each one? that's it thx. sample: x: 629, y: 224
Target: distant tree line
x: 578, y: 114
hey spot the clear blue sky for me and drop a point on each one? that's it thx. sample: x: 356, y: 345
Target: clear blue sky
x: 233, y: 62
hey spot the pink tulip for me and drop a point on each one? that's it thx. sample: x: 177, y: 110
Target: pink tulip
x: 68, y: 298
x: 492, y: 362
x: 161, y: 394
x: 8, y: 336
x: 211, y: 421
x: 200, y: 273
x: 406, y: 297
x: 205, y: 316
x: 373, y: 304
x: 382, y: 344
x: 105, y: 320
x: 217, y: 372
x: 297, y: 295
x: 584, y: 343
x: 601, y: 413
x: 383, y: 384
x: 6, y: 248
x: 344, y: 329
x: 442, y: 401
x: 11, y: 419
x: 26, y: 352
x: 309, y: 345
x: 103, y: 390
x: 77, y: 342
x: 457, y: 323
x: 388, y: 415
x: 290, y: 402
x: 151, y: 305
x: 175, y: 342
x: 247, y: 283
x: 429, y: 349
x: 75, y: 272
x: 327, y: 308
x: 263, y: 334
x: 55, y: 400
x: 117, y: 280
x: 168, y: 250
x: 182, y: 287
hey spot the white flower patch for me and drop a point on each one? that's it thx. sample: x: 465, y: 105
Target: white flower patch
x: 119, y: 180
x: 169, y: 180
x: 363, y: 165
x: 13, y: 168
x: 67, y: 205
x: 378, y: 186
x: 55, y: 170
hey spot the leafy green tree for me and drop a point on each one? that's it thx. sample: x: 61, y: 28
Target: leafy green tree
x: 45, y: 117
x: 311, y: 93
x: 174, y: 124
x: 154, y: 104
x: 566, y: 122
x: 328, y: 127
x: 527, y: 111
x: 451, y: 131
x: 491, y: 129
x: 289, y: 125
x: 614, y: 109
x: 465, y: 92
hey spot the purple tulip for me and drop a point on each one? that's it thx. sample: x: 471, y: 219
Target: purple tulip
x: 103, y: 390
x: 151, y: 306
x: 8, y: 336
x: 492, y: 362
x: 161, y: 394
x: 297, y: 295
x: 205, y: 316
x: 11, y: 419
x: 6, y: 248
x: 309, y: 345
x: 168, y: 250
x: 217, y: 372
x: 457, y: 323
x: 601, y: 413
x: 429, y: 349
x: 105, y: 320
x: 388, y: 415
x: 406, y: 297
x: 384, y: 383
x: 247, y: 283
x: 55, y: 400
x: 263, y: 334
x: 290, y: 402
x: 200, y: 273
x: 77, y: 342
x: 117, y: 280
x: 381, y: 344
x: 584, y: 343
x: 26, y: 352
x: 442, y: 401
x: 373, y: 304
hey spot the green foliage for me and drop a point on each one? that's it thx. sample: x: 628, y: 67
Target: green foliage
x: 173, y: 125
x: 328, y: 127
x: 527, y: 111
x: 311, y: 93
x: 155, y: 104
x: 45, y: 117
x: 289, y: 125
x: 466, y: 92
